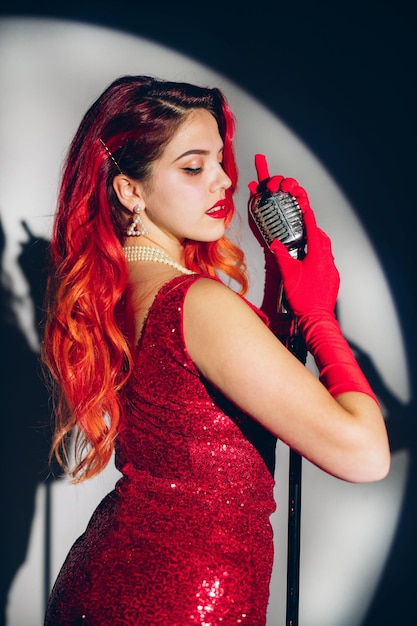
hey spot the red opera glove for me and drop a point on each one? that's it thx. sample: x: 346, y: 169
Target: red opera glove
x: 338, y: 369
x: 311, y: 286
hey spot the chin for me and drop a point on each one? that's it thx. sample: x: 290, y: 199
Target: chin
x: 214, y: 234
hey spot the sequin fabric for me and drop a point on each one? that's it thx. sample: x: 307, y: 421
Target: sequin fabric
x: 185, y: 536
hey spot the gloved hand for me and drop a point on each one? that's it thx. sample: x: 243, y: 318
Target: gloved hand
x: 311, y: 286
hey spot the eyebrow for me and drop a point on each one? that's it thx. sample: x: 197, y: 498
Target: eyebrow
x: 195, y: 151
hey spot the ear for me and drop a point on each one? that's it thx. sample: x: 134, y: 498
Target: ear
x: 128, y: 191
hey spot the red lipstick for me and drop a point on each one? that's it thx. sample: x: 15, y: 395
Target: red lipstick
x: 218, y: 213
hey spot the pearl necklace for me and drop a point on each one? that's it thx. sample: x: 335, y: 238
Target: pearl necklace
x: 148, y: 253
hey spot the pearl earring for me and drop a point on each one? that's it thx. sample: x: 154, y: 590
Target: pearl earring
x: 137, y: 227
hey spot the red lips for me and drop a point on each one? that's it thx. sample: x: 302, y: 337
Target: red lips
x: 218, y: 213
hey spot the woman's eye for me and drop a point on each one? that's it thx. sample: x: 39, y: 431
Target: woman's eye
x: 192, y: 170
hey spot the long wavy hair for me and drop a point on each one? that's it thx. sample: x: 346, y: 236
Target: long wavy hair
x: 87, y: 340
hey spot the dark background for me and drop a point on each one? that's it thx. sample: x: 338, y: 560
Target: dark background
x: 341, y: 75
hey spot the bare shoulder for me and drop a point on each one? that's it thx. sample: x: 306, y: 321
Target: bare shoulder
x: 210, y: 286
x: 221, y: 329
x: 207, y: 297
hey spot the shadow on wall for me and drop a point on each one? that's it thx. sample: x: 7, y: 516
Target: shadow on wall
x: 25, y: 420
x: 395, y: 593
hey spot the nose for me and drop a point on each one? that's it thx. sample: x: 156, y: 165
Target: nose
x: 221, y: 180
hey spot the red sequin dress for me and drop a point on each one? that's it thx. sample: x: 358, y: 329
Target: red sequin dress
x: 185, y: 537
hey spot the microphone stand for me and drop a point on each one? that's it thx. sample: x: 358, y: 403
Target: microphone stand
x: 291, y: 337
x: 283, y: 324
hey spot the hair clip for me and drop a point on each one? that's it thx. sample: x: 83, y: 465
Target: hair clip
x: 111, y: 156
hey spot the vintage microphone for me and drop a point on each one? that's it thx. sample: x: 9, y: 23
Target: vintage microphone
x: 278, y: 216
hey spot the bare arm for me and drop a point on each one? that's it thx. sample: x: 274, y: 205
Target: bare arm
x: 237, y: 353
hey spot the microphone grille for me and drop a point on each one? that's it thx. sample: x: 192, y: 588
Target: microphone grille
x: 278, y: 216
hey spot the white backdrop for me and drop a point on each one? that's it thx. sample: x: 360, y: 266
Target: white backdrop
x: 50, y: 72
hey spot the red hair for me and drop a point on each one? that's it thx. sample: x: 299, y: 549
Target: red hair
x: 88, y: 336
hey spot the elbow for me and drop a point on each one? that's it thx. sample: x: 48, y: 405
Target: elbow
x: 371, y: 454
x: 374, y: 468
x: 378, y: 456
x: 375, y: 473
x: 382, y: 467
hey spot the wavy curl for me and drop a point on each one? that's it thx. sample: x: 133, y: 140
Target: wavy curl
x: 88, y: 331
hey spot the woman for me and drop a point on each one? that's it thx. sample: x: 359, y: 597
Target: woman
x: 155, y: 357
